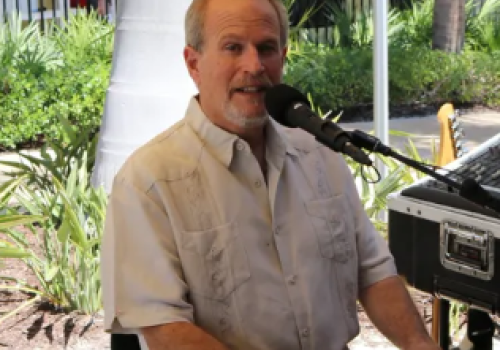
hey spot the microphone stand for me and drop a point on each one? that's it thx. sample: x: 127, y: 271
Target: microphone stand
x: 469, y: 189
x: 480, y: 327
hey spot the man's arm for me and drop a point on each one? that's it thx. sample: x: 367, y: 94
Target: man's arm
x: 391, y: 309
x: 179, y: 336
x: 143, y: 283
x: 381, y: 291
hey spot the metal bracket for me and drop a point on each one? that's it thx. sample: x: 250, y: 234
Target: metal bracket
x: 467, y: 250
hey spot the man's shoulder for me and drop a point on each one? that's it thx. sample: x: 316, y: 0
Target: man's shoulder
x: 169, y: 156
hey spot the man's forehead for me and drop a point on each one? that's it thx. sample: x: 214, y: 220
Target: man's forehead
x: 242, y: 12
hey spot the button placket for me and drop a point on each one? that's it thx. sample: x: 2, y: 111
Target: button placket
x: 304, y: 332
x: 277, y: 230
x: 292, y: 279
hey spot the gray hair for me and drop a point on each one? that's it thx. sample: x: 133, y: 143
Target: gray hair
x: 195, y: 21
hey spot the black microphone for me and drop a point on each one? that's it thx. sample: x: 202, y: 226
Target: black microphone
x: 290, y: 108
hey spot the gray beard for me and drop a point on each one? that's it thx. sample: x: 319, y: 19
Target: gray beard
x: 241, y: 120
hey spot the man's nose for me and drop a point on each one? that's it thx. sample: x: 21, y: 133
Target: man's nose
x: 252, y: 61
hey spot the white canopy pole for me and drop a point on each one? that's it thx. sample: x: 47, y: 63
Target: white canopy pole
x: 381, y: 76
x: 149, y: 88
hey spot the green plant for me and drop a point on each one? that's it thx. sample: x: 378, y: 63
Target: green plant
x: 84, y: 39
x: 483, y: 26
x: 62, y: 72
x: 374, y: 191
x: 357, y: 30
x: 415, y: 26
x: 67, y: 269
x: 56, y: 161
x: 51, y: 198
x: 25, y: 48
x: 340, y: 79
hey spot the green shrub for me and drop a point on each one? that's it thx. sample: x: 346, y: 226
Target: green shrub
x: 340, y: 79
x: 63, y: 73
x: 32, y: 105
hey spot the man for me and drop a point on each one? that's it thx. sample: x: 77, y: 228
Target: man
x: 228, y: 231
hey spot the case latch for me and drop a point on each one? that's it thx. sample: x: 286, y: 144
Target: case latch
x: 468, y: 250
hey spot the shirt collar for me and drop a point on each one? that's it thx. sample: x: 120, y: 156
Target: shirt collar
x: 221, y: 142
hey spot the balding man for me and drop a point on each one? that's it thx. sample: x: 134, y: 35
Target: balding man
x: 229, y: 231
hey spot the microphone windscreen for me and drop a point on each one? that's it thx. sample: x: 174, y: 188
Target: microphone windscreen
x: 279, y: 98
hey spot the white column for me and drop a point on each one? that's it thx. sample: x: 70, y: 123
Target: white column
x: 381, y: 76
x: 149, y: 86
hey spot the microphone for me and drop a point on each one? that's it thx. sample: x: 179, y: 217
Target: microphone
x: 290, y: 108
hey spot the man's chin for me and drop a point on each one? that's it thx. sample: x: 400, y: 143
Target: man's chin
x: 253, y: 121
x: 247, y: 121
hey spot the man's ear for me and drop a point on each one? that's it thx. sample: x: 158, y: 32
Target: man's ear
x: 192, y: 59
x: 283, y: 54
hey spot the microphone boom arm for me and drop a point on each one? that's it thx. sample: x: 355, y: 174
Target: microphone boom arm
x: 470, y: 189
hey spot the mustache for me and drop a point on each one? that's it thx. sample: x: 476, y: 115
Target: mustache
x: 263, y: 82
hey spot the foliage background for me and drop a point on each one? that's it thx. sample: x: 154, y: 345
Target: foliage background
x: 52, y: 91
x: 65, y: 73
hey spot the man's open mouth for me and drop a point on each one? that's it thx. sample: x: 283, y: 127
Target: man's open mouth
x: 251, y: 89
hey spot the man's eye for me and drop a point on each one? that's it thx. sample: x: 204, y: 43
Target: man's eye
x: 267, y: 48
x: 233, y: 47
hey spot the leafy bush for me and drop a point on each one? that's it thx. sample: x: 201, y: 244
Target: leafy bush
x: 62, y: 73
x: 482, y: 26
x: 55, y: 202
x: 340, y: 79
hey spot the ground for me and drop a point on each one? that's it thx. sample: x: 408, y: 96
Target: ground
x: 41, y: 326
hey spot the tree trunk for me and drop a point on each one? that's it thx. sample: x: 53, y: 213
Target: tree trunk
x: 448, y: 25
x: 149, y: 86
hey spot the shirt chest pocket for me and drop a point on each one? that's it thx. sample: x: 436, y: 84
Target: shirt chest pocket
x: 332, y: 228
x: 214, y: 261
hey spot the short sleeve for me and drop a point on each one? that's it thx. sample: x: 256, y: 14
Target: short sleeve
x: 141, y: 271
x: 375, y: 259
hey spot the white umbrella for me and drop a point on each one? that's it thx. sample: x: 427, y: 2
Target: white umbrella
x: 149, y: 86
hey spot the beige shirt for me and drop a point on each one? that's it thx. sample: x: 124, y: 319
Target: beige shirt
x: 194, y: 233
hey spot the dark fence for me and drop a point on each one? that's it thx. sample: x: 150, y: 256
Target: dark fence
x: 320, y: 17
x: 42, y: 10
x: 318, y: 26
x: 53, y: 10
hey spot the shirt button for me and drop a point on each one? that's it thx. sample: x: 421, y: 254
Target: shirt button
x: 304, y: 332
x: 240, y: 146
x: 213, y: 252
x: 277, y: 230
x: 292, y: 279
x: 258, y: 183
